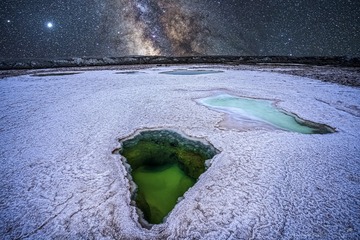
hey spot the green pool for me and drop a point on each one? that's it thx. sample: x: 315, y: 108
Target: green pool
x: 164, y: 165
x: 160, y: 188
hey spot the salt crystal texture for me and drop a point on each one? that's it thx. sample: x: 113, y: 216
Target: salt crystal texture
x: 59, y: 178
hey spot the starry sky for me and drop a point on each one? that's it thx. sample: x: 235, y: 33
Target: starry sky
x: 99, y: 28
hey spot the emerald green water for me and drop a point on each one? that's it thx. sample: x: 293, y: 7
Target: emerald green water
x: 263, y: 111
x: 190, y: 72
x: 164, y: 165
x: 161, y: 187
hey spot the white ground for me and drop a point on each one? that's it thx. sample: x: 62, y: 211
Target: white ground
x: 60, y: 180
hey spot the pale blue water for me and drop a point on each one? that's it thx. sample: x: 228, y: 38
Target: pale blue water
x: 190, y: 72
x: 263, y: 111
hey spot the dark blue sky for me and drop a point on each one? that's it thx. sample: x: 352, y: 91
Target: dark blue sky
x: 75, y: 28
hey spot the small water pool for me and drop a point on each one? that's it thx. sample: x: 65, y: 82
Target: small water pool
x: 160, y: 187
x: 164, y: 165
x: 190, y: 72
x: 52, y: 74
x: 263, y: 111
x: 127, y: 72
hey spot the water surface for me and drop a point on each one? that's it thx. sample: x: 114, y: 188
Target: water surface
x: 190, y: 72
x: 161, y: 187
x: 263, y: 111
x: 164, y: 165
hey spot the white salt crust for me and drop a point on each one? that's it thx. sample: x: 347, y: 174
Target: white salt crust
x: 59, y: 178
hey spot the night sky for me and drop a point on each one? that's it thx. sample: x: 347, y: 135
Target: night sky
x: 98, y: 28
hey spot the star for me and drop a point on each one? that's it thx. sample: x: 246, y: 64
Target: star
x: 219, y: 27
x: 49, y: 25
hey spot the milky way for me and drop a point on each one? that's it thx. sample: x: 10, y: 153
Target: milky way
x: 145, y: 27
x: 113, y: 28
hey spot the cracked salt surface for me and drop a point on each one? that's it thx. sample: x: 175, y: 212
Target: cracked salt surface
x: 60, y: 180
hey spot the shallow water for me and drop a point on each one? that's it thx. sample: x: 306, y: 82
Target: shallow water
x: 50, y: 74
x: 161, y: 187
x: 190, y: 72
x: 263, y: 111
x: 164, y: 165
x: 127, y: 72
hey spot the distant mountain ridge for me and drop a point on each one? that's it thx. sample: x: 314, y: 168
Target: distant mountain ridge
x: 136, y: 60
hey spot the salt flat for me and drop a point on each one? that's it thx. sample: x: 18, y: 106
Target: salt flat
x: 59, y: 178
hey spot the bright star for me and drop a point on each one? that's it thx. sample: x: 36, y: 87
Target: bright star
x: 8, y: 21
x: 49, y: 24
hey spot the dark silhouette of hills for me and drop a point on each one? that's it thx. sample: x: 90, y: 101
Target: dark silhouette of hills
x: 8, y: 64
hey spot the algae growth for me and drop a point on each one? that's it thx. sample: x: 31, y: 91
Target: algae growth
x: 164, y: 165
